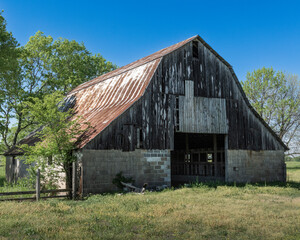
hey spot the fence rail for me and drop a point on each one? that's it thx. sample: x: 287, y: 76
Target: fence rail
x: 37, y: 192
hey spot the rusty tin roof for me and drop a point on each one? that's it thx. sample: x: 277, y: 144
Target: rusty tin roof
x: 101, y: 100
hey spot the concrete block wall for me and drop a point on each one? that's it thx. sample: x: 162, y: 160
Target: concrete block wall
x: 255, y: 166
x: 144, y: 166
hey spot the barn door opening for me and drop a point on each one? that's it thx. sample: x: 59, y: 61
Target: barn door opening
x: 198, y: 157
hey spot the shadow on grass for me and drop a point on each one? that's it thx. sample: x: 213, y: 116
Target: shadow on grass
x: 216, y: 184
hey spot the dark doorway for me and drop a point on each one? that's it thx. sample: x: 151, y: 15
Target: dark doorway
x: 197, y: 157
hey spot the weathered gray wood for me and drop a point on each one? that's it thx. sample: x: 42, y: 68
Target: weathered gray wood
x: 17, y: 193
x: 38, y: 185
x: 215, y: 155
x: 74, y: 177
x: 218, y: 106
x: 226, y: 156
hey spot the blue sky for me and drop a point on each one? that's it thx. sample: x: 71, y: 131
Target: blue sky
x: 248, y: 34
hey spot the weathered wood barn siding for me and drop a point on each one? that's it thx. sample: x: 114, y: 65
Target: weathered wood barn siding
x: 155, y: 113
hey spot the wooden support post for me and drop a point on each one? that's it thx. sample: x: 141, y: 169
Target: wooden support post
x: 215, y: 155
x: 226, y: 157
x: 38, y: 185
x: 81, y: 181
x: 74, y: 180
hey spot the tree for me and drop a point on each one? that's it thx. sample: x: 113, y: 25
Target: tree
x: 46, y: 66
x: 10, y: 90
x: 8, y: 51
x: 59, y: 65
x: 59, y: 132
x: 276, y: 97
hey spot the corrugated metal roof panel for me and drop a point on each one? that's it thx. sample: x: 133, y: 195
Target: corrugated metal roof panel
x: 101, y: 103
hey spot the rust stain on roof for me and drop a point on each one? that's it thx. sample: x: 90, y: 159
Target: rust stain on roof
x: 101, y: 100
x: 101, y: 103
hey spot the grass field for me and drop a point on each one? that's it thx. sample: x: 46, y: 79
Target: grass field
x: 200, y: 212
x: 293, y: 171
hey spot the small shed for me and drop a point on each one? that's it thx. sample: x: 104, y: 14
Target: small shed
x: 177, y: 116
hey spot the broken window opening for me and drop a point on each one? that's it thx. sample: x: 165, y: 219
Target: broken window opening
x: 139, y: 138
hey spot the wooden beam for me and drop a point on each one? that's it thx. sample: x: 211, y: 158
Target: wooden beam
x: 38, y: 185
x: 215, y: 155
x: 33, y: 192
x: 74, y: 180
x: 226, y: 156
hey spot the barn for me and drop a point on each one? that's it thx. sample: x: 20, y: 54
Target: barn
x: 177, y: 116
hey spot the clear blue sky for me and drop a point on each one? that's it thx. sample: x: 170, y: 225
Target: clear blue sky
x: 248, y: 34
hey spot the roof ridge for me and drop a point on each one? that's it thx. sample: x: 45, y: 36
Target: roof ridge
x: 140, y: 62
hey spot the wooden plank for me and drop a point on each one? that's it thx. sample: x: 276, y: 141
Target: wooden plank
x: 73, y: 180
x: 38, y: 185
x: 16, y: 193
x: 215, y: 154
x: 33, y: 198
x: 33, y: 192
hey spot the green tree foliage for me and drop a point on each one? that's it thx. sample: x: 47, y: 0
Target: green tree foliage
x: 8, y: 51
x: 59, y: 65
x: 59, y: 133
x: 46, y: 66
x: 10, y: 83
x: 276, y: 97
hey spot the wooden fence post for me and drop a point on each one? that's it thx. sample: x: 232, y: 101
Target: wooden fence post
x: 74, y: 180
x: 38, y: 185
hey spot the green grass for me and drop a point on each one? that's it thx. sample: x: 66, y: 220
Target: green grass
x: 293, y: 171
x: 205, y: 211
x: 249, y: 212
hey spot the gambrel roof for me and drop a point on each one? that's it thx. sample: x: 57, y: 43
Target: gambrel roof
x: 101, y: 100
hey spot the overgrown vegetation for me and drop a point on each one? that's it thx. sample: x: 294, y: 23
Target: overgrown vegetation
x: 202, y: 212
x: 59, y: 133
x: 121, y: 178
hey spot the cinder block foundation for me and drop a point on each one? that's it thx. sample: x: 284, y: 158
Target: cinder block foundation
x: 144, y: 166
x: 255, y: 166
